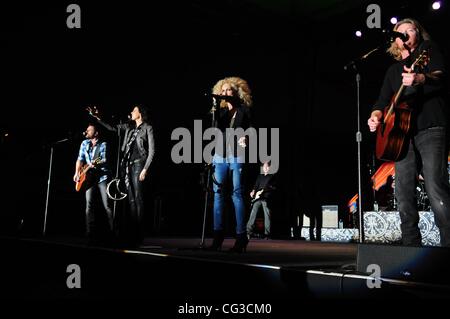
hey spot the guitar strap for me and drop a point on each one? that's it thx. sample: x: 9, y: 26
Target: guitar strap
x: 127, y: 156
x: 96, y: 153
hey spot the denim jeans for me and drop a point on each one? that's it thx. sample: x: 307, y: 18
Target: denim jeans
x: 90, y: 214
x: 223, y: 169
x: 427, y: 148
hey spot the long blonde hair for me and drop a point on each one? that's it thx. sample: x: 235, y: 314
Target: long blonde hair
x: 422, y: 34
x: 240, y: 88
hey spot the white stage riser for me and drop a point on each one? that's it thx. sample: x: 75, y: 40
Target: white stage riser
x: 381, y: 227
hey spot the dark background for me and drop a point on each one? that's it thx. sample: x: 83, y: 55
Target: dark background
x: 167, y: 54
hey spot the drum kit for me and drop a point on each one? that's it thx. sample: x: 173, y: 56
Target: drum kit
x: 423, y: 202
x: 383, y: 182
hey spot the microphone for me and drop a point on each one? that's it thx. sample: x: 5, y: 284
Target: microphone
x: 394, y: 35
x: 403, y: 36
x: 61, y: 141
x: 228, y: 98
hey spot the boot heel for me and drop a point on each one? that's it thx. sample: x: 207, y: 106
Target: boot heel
x: 217, y: 241
x: 240, y: 244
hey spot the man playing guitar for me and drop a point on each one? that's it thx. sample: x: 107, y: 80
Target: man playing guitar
x: 426, y: 143
x: 91, y: 162
x: 261, y: 193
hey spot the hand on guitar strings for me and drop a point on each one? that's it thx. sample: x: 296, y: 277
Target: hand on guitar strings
x: 410, y: 78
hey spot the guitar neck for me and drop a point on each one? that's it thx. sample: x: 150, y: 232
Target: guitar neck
x: 87, y: 167
x: 399, y: 93
x: 402, y: 87
x: 395, y: 100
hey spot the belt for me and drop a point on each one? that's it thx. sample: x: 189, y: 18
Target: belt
x: 136, y: 161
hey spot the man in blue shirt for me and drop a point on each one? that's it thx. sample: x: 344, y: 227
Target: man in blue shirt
x: 92, y: 164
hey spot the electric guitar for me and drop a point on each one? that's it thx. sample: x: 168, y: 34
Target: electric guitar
x: 257, y: 195
x: 84, y: 174
x: 396, y: 122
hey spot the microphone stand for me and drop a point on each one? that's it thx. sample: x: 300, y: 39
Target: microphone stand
x: 52, y: 146
x: 119, y: 138
x: 352, y: 65
x: 372, y: 171
x: 209, y: 169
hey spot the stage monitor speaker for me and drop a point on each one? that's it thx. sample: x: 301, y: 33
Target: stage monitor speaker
x: 330, y: 216
x: 418, y: 264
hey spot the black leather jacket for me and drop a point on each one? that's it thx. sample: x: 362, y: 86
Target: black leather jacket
x: 144, y: 140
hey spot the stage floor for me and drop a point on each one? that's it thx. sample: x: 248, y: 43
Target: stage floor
x: 280, y: 253
x: 175, y: 269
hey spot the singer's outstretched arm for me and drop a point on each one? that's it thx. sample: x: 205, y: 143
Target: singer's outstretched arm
x: 118, y: 127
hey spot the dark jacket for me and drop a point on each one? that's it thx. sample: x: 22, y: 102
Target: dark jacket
x: 145, y: 141
x: 241, y: 120
x: 428, y: 100
x: 267, y: 183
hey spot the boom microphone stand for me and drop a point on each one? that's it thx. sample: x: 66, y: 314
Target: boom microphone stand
x: 52, y: 146
x: 352, y: 65
x: 119, y: 140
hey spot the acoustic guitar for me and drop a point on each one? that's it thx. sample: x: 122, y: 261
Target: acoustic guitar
x: 82, y: 181
x: 396, y: 122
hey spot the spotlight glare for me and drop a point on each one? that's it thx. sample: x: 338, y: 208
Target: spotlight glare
x: 394, y: 20
x: 358, y: 34
x: 436, y: 5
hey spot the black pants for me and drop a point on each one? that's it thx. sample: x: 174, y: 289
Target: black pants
x: 90, y: 213
x: 429, y: 149
x: 136, y: 189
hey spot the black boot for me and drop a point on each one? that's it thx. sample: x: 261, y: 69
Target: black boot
x: 217, y: 241
x: 240, y: 245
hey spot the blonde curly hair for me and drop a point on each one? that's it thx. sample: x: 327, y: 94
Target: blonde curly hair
x: 240, y: 88
x: 422, y: 35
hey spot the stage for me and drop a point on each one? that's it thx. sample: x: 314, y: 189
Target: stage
x: 175, y: 270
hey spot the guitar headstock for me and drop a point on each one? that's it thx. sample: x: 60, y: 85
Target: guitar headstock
x: 93, y: 111
x: 421, y: 61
